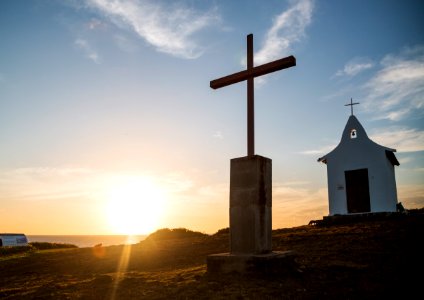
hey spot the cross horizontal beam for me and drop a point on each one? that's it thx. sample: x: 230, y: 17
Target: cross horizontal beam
x: 273, y: 66
x: 351, y: 104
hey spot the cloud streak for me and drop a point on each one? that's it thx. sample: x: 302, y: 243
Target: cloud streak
x: 88, y: 50
x: 44, y: 183
x: 218, y: 135
x: 298, y: 205
x: 397, y: 89
x: 287, y: 28
x: 403, y: 139
x: 319, y: 151
x: 169, y: 29
x: 411, y: 196
x: 354, y: 67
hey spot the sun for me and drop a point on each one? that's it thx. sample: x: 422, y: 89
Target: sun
x: 135, y: 205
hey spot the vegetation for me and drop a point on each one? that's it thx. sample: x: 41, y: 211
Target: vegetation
x: 49, y: 246
x: 31, y: 247
x: 176, y: 233
x: 223, y: 231
x: 14, y: 250
x: 369, y: 259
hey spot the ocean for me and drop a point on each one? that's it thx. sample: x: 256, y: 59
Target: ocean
x: 87, y: 240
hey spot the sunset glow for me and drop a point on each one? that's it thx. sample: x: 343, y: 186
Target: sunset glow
x: 134, y: 205
x: 109, y: 126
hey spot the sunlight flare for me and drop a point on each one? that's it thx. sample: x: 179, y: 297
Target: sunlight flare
x: 135, y: 205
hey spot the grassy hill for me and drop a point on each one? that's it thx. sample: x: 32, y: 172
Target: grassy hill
x: 368, y: 259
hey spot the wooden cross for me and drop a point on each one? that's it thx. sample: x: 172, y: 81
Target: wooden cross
x: 249, y: 75
x: 351, y: 104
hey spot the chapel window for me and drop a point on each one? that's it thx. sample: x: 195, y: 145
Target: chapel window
x: 353, y: 134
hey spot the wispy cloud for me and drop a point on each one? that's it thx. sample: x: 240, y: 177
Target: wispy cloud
x: 169, y: 28
x: 296, y: 183
x: 177, y: 183
x: 343, y: 92
x: 44, y: 183
x: 298, y: 205
x: 397, y: 89
x: 55, y: 183
x: 354, y: 67
x: 125, y: 44
x: 87, y: 49
x: 402, y: 139
x: 287, y: 28
x: 96, y: 24
x: 319, y: 151
x: 218, y: 135
x: 405, y: 160
x: 411, y: 196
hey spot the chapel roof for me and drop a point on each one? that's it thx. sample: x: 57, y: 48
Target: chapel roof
x: 354, y: 132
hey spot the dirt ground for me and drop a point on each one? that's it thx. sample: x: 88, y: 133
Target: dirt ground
x: 369, y: 259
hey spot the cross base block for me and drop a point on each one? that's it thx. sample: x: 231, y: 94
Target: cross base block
x: 251, y: 205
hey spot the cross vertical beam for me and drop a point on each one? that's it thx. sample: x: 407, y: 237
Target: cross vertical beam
x: 249, y: 75
x: 250, y: 100
x: 351, y: 104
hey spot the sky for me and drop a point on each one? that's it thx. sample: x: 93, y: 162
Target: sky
x: 108, y: 124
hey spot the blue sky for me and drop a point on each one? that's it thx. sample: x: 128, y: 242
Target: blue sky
x: 97, y: 93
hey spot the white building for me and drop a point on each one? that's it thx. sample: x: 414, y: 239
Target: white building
x: 13, y: 239
x: 360, y: 174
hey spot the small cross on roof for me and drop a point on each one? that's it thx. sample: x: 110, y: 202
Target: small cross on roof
x: 351, y: 104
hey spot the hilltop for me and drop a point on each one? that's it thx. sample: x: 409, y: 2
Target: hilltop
x: 369, y: 259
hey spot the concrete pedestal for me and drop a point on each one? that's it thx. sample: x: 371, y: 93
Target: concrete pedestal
x: 250, y: 221
x: 250, y: 205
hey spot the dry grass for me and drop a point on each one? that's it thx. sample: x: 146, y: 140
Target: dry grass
x: 367, y: 260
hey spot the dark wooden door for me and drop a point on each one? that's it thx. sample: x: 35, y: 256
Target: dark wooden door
x: 357, y: 191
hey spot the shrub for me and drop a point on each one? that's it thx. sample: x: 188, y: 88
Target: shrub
x: 176, y: 233
x: 223, y: 231
x: 47, y: 246
x: 10, y: 250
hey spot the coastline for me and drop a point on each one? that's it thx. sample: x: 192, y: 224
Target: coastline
x: 83, y: 241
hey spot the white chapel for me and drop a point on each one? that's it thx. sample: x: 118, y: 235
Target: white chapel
x: 360, y: 173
